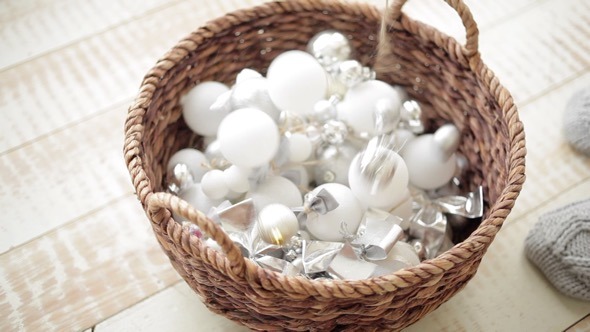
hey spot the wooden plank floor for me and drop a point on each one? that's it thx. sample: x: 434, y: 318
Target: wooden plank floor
x: 76, y: 251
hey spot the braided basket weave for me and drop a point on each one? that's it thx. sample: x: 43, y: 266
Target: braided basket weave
x: 450, y: 81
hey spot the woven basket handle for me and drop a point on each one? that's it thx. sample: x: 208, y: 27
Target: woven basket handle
x: 173, y: 203
x: 472, y: 33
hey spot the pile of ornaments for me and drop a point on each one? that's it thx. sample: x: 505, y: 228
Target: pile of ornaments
x: 321, y: 170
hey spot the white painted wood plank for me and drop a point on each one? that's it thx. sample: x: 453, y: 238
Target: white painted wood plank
x: 62, y: 177
x: 176, y: 308
x: 52, y: 25
x: 539, y: 49
x: 60, y: 88
x: 552, y: 165
x: 84, y: 272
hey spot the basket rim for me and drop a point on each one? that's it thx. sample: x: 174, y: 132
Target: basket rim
x: 424, y: 274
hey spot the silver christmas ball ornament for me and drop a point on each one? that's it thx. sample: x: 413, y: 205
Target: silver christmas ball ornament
x: 329, y: 47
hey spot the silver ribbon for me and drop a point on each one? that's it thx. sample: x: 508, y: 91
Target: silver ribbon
x: 234, y: 217
x: 348, y: 265
x: 278, y: 265
x: 470, y: 206
x: 321, y: 202
x: 378, y: 233
x: 317, y: 255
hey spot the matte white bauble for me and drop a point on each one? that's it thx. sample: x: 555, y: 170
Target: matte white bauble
x: 196, y: 108
x: 380, y: 182
x: 246, y: 74
x: 213, y: 184
x: 327, y: 227
x: 253, y: 92
x: 296, y: 81
x: 248, y: 138
x: 277, y: 224
x: 276, y: 189
x: 194, y: 159
x: 431, y: 159
x: 197, y: 198
x: 236, y: 179
x: 300, y: 147
x: 357, y: 108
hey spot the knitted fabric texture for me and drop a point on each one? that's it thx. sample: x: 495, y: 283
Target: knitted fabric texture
x: 576, y: 121
x: 559, y: 244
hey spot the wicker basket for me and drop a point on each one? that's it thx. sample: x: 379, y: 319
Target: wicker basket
x: 449, y: 79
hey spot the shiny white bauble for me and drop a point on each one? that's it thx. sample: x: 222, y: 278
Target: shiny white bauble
x: 276, y: 189
x: 296, y: 81
x: 357, y: 108
x: 387, y: 190
x: 248, y: 138
x: 334, y: 162
x: 194, y: 159
x: 196, y: 108
x: 277, y: 224
x: 327, y: 227
x: 432, y: 162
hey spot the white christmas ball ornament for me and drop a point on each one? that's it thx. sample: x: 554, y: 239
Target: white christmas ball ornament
x: 300, y: 147
x: 327, y: 227
x: 329, y: 47
x: 277, y: 224
x: 197, y: 198
x: 357, y: 108
x: 379, y: 180
x: 236, y: 179
x: 431, y: 158
x: 194, y: 159
x: 213, y: 184
x: 196, y: 108
x: 296, y: 81
x: 253, y: 92
x: 248, y: 138
x: 276, y: 189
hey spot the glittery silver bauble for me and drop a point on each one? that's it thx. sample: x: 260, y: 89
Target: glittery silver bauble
x: 334, y: 162
x: 324, y: 110
x: 411, y: 113
x: 334, y: 132
x: 350, y: 73
x: 329, y: 47
x: 421, y: 250
x: 179, y: 178
x: 253, y: 92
